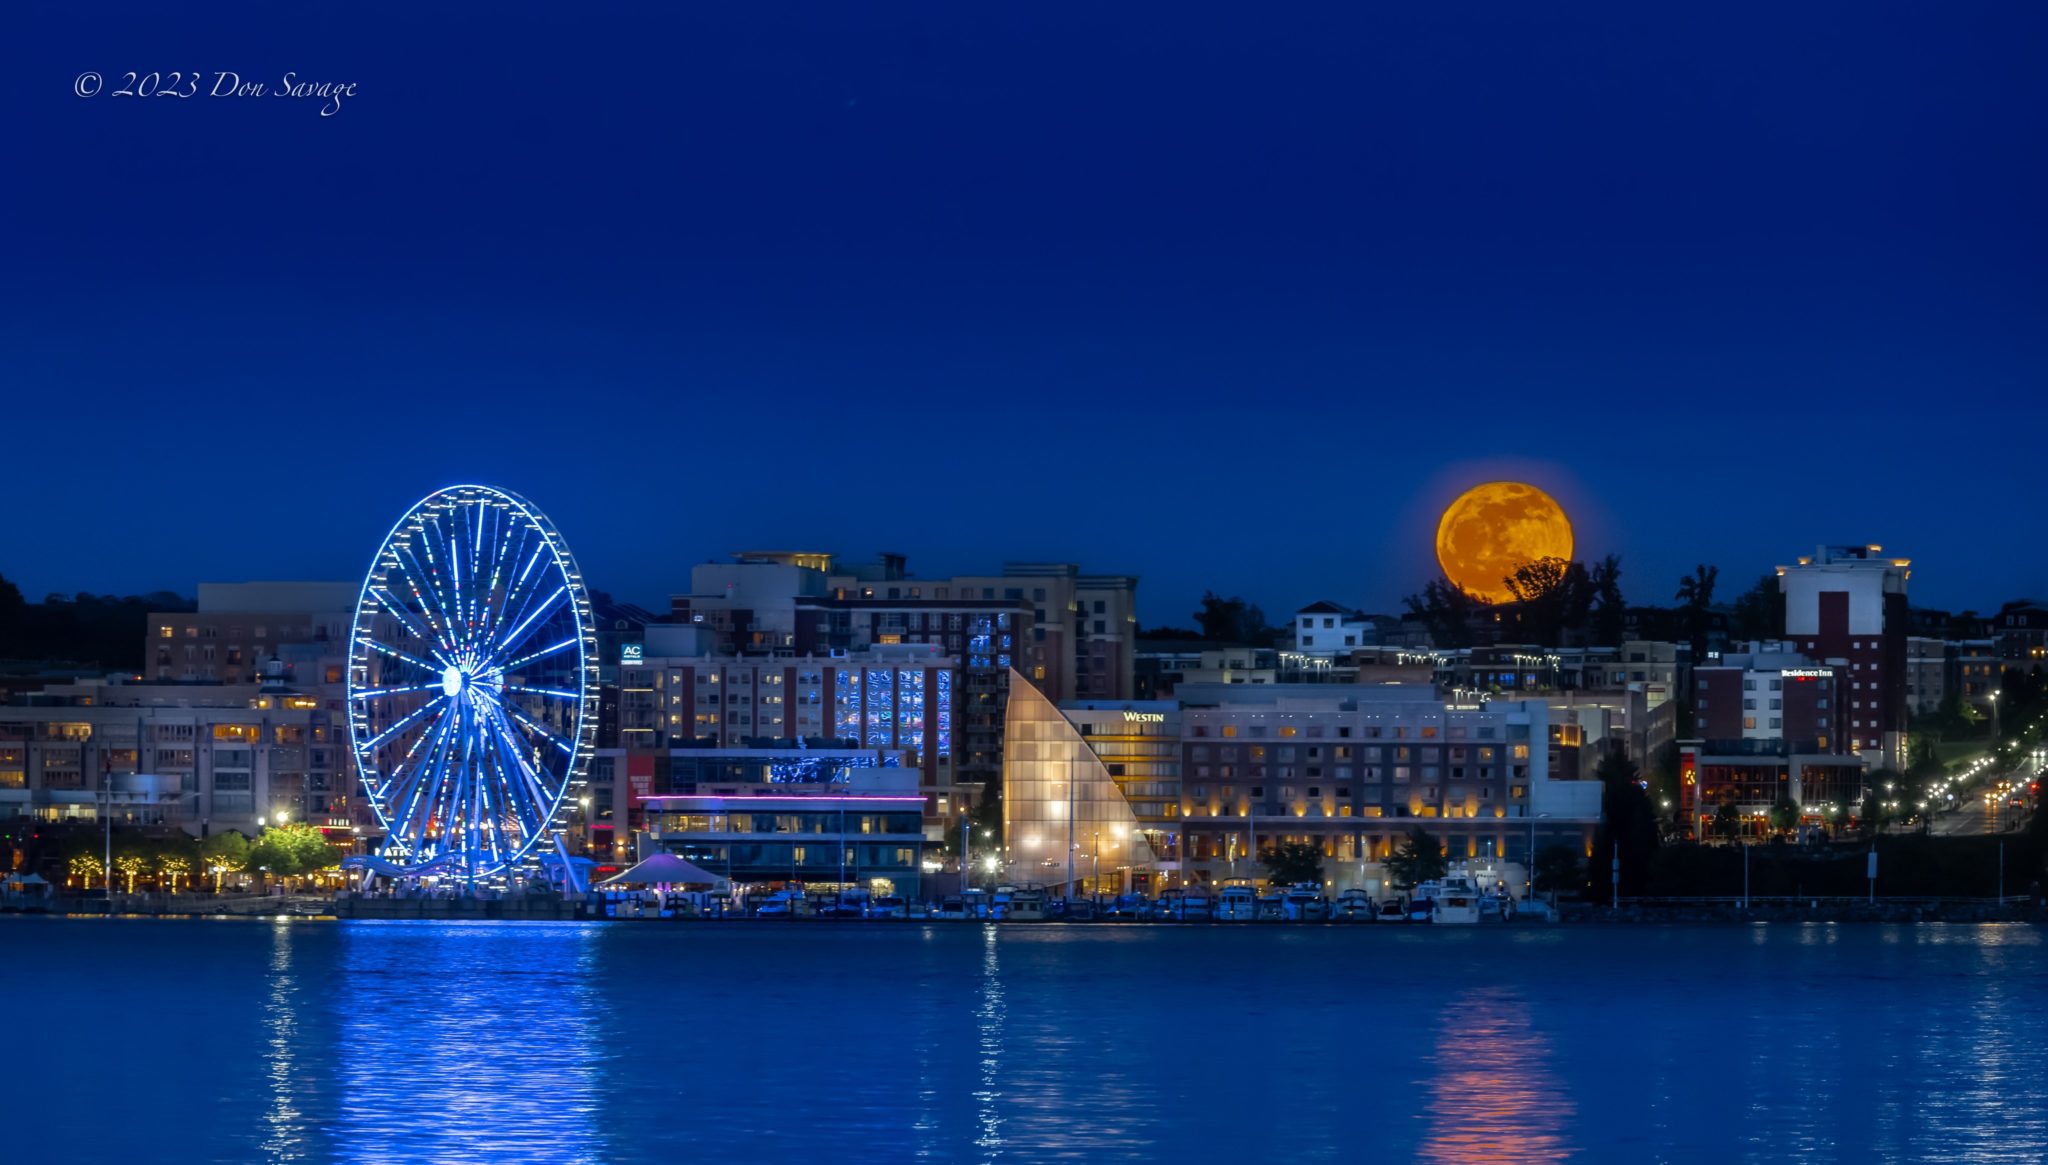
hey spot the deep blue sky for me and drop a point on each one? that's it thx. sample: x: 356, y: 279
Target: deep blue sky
x: 1220, y: 299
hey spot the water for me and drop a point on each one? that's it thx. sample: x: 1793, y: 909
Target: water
x: 174, y: 1041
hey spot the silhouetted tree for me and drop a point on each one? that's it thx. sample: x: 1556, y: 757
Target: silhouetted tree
x: 1550, y: 596
x: 1609, y: 623
x: 1559, y: 869
x: 1696, y: 598
x: 1232, y: 620
x: 1418, y: 859
x: 1445, y: 611
x: 1293, y: 862
x: 1628, y: 821
x: 1759, y: 613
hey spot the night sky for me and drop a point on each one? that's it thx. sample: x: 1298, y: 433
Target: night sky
x: 1223, y: 298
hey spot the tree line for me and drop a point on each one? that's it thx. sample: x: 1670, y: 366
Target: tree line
x: 102, y: 631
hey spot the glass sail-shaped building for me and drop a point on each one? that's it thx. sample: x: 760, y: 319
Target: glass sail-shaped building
x: 1091, y: 796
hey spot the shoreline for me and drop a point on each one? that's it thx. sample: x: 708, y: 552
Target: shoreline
x: 1571, y: 915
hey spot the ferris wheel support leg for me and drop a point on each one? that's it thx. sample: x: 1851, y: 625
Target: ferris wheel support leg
x: 571, y: 879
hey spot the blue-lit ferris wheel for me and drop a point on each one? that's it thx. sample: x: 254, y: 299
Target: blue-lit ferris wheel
x: 472, y: 682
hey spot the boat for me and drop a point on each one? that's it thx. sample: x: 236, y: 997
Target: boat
x: 1493, y: 907
x: 1422, y: 904
x: 1457, y: 903
x: 784, y: 904
x: 1185, y: 906
x: 1390, y: 911
x: 888, y: 906
x: 1352, y: 905
x: 845, y: 904
x: 1272, y: 908
x: 1237, y: 903
x: 1128, y: 908
x: 1076, y: 910
x: 1018, y: 904
x: 1304, y: 902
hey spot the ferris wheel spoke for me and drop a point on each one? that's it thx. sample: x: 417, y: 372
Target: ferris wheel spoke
x: 537, y: 795
x: 536, y: 726
x: 404, y: 614
x: 407, y: 722
x: 383, y: 788
x: 494, y: 595
x: 542, y: 653
x: 517, y: 806
x: 518, y: 634
x: 380, y: 693
x: 394, y: 653
x: 419, y: 576
x: 423, y: 778
x: 512, y: 605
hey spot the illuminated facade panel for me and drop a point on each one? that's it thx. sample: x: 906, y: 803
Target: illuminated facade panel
x: 1067, y: 822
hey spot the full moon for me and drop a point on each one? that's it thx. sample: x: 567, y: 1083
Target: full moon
x: 1496, y: 528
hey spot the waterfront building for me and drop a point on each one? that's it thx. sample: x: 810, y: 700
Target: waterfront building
x: 201, y: 758
x: 1347, y: 768
x: 1069, y: 634
x: 679, y: 696
x: 239, y: 627
x: 823, y: 820
x: 1773, y: 726
x: 1845, y: 607
x: 1636, y: 720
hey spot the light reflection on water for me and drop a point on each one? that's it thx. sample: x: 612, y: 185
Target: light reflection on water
x: 285, y: 1137
x: 1492, y: 1094
x: 468, y: 1042
x: 388, y: 1042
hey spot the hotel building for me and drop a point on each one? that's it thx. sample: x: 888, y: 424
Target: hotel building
x: 1348, y: 769
x: 1845, y: 608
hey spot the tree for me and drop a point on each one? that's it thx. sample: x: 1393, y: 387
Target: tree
x: 86, y: 867
x: 172, y: 861
x: 1420, y: 858
x: 225, y: 853
x: 1445, y: 611
x: 1922, y: 762
x: 1609, y: 623
x: 1784, y: 815
x: 1559, y: 869
x: 1550, y: 596
x: 1727, y: 821
x: 1759, y: 613
x: 1293, y: 862
x: 291, y: 851
x: 1628, y: 829
x: 1232, y: 620
x: 1696, y: 598
x: 131, y: 865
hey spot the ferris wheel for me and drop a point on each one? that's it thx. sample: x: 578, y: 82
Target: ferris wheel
x: 472, y: 682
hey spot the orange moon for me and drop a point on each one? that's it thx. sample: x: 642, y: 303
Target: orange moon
x: 1494, y: 529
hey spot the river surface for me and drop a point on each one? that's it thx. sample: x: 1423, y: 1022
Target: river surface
x: 171, y: 1041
